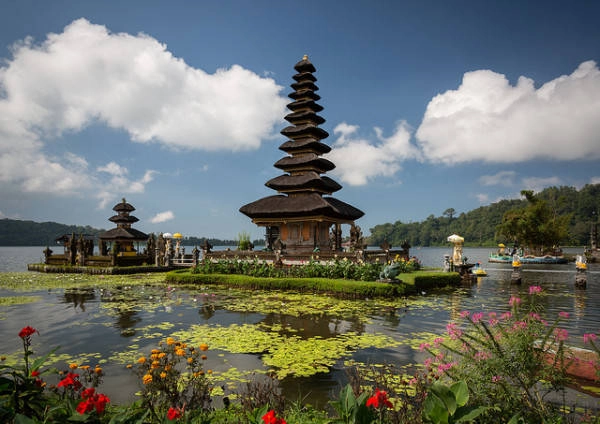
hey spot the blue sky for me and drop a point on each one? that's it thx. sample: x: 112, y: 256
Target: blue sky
x: 177, y: 106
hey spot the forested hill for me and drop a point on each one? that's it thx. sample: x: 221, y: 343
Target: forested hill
x: 478, y: 227
x: 14, y: 232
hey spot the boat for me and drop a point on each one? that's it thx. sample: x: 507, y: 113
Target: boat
x: 529, y: 259
x: 478, y: 270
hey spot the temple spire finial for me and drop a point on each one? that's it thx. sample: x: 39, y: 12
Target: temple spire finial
x: 305, y: 57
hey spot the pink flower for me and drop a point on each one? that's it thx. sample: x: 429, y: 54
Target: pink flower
x: 563, y: 314
x: 506, y: 316
x: 514, y: 301
x: 453, y: 331
x: 535, y: 289
x: 561, y: 334
x: 496, y: 378
x: 424, y: 346
x: 438, y: 341
x: 464, y: 314
x: 477, y: 317
x: 445, y: 367
x: 589, y: 337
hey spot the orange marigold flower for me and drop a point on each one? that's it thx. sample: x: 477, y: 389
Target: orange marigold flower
x: 190, y: 360
x: 142, y: 360
x: 203, y: 347
x: 161, y: 355
x: 204, y: 357
x: 155, y: 351
x: 147, y: 379
x: 73, y: 366
x: 179, y: 352
x: 84, y: 367
x: 98, y: 370
x: 170, y: 341
x: 163, y: 375
x: 129, y: 366
x: 209, y: 371
x: 168, y: 367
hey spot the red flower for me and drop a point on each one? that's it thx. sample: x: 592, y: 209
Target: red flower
x: 100, y: 401
x: 379, y: 400
x: 92, y: 401
x: 26, y: 332
x: 88, y: 393
x: 71, y: 380
x: 174, y: 413
x: 35, y: 373
x: 270, y: 418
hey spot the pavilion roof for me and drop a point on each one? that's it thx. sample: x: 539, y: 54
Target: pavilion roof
x: 120, y: 233
x: 310, y: 204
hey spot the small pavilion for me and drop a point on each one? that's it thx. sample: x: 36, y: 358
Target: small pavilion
x: 303, y: 212
x: 123, y: 236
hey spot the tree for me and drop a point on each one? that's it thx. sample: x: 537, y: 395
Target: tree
x: 536, y: 226
x: 449, y: 213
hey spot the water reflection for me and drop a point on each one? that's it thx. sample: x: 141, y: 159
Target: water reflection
x: 78, y: 297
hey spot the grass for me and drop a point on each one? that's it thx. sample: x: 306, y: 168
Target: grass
x: 410, y: 283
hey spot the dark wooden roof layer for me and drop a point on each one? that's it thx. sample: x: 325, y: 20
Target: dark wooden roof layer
x: 305, y: 104
x: 305, y: 84
x: 304, y: 116
x: 305, y: 144
x: 128, y: 219
x: 123, y: 234
x: 306, y: 76
x: 310, y: 181
x: 304, y: 94
x: 302, y: 131
x: 308, y: 162
x: 123, y: 207
x: 304, y: 65
x: 313, y: 204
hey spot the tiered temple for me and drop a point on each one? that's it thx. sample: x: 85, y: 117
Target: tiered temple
x: 303, y: 212
x: 123, y: 235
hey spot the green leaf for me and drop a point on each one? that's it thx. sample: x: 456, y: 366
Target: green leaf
x: 446, y: 396
x: 22, y: 419
x: 461, y: 392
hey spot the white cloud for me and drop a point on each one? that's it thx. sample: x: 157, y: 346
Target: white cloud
x: 119, y: 184
x: 130, y: 82
x: 537, y: 184
x: 162, y: 217
x: 358, y: 160
x: 487, y: 119
x: 482, y: 197
x: 503, y: 178
x: 594, y: 180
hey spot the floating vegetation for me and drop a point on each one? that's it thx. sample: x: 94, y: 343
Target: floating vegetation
x: 18, y: 300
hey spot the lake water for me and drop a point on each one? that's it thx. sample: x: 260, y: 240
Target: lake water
x: 101, y: 324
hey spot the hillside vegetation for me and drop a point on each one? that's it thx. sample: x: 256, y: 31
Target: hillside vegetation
x: 479, y: 227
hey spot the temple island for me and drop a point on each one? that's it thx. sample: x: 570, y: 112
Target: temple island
x: 303, y: 221
x: 121, y: 249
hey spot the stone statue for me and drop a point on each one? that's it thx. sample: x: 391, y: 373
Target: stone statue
x: 390, y: 272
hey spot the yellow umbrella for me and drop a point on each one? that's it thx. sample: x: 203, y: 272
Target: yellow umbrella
x: 501, y: 245
x: 177, y: 236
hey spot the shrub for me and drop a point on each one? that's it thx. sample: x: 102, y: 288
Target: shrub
x: 511, y: 361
